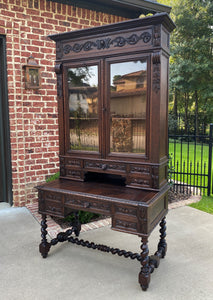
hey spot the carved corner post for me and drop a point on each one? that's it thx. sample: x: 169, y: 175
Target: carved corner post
x: 44, y: 247
x: 144, y: 275
x: 58, y: 71
x: 156, y: 72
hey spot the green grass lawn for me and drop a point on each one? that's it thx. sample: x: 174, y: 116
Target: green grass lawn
x: 189, y: 151
x: 205, y: 204
x: 186, y: 158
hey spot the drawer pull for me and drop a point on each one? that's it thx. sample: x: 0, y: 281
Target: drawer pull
x: 86, y: 204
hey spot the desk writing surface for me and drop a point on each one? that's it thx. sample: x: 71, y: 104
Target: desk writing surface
x: 102, y: 190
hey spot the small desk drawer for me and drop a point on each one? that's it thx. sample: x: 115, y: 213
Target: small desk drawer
x: 52, y: 196
x: 123, y: 224
x: 87, y: 204
x: 54, y: 208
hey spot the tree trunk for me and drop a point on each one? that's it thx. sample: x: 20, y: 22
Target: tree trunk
x: 186, y: 96
x: 175, y: 103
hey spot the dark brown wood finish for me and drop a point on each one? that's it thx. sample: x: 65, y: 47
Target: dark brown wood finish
x: 124, y: 174
x: 137, y: 39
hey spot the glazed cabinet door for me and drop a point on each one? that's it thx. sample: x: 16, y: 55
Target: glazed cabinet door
x: 82, y: 108
x: 127, y: 98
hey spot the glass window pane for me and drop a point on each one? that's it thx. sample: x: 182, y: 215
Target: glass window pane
x: 83, y: 108
x: 128, y: 107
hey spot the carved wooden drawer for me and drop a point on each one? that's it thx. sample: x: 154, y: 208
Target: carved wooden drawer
x: 105, y: 166
x: 138, y: 181
x: 73, y: 162
x: 125, y: 224
x: 71, y: 168
x: 140, y: 170
x: 51, y: 202
x: 139, y: 175
x: 125, y: 210
x: 54, y: 208
x: 52, y: 196
x: 73, y: 173
x: 85, y: 203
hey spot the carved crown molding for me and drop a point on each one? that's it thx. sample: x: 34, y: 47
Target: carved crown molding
x: 106, y: 43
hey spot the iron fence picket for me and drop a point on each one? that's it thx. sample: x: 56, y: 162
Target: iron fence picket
x: 210, y: 159
x: 191, y: 175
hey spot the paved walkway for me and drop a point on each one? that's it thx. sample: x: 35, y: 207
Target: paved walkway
x: 73, y: 272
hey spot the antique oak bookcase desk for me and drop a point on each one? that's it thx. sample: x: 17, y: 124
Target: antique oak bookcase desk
x: 112, y: 90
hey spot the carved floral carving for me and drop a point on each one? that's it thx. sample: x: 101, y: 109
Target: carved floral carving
x: 142, y: 170
x: 103, y: 166
x: 83, y: 202
x: 93, y: 165
x: 125, y: 224
x: 74, y: 173
x: 54, y: 196
x: 142, y: 216
x: 51, y: 207
x: 156, y: 58
x: 106, y: 43
x: 155, y: 177
x: 140, y: 181
x: 74, y: 162
x: 59, y: 85
x: 125, y: 210
x: 156, y: 78
x: 157, y: 36
x: 117, y: 167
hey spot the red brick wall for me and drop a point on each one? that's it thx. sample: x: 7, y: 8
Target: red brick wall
x: 33, y: 113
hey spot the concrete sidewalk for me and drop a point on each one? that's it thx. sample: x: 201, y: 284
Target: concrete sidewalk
x: 74, y: 272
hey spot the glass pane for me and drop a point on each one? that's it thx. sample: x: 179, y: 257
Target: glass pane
x: 83, y: 108
x: 128, y: 107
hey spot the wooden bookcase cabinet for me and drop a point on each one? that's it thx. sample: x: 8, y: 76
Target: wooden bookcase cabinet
x: 112, y: 90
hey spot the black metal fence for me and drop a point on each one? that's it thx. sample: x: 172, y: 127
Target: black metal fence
x: 190, y: 162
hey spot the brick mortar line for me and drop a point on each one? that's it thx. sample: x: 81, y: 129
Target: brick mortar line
x: 54, y: 228
x: 27, y: 24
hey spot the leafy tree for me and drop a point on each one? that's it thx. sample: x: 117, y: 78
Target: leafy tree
x: 191, y: 67
x: 78, y: 76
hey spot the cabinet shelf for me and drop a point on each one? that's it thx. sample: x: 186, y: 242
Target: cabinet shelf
x: 85, y: 119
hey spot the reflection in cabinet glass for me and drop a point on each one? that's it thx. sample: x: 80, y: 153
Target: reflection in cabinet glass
x: 128, y: 82
x: 83, y: 108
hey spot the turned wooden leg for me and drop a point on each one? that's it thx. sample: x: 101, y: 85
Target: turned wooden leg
x: 154, y: 260
x: 44, y: 247
x: 162, y: 245
x: 144, y: 275
x: 76, y: 224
